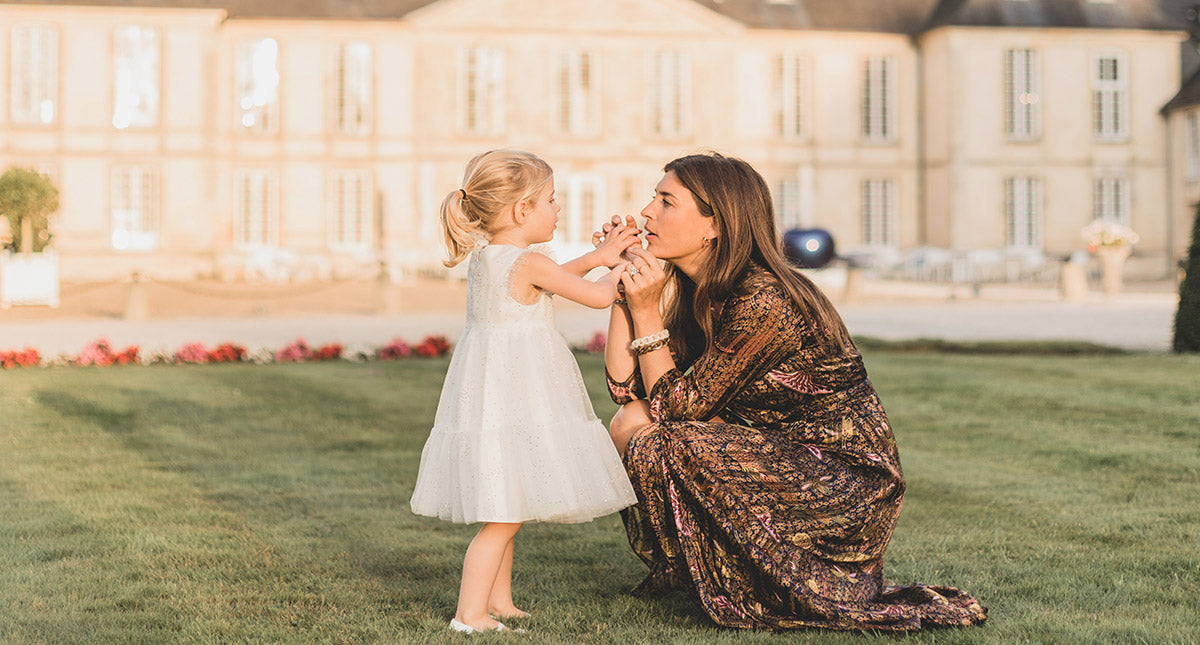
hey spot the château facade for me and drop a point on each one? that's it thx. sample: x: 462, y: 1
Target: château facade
x: 282, y: 140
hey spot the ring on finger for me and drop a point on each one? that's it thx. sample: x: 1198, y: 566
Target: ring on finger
x: 634, y: 270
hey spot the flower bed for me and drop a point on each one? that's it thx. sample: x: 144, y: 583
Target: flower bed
x: 102, y: 353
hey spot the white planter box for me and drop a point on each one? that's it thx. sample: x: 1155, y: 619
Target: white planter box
x: 29, y: 279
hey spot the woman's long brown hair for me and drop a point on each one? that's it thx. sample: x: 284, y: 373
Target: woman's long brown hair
x: 731, y: 191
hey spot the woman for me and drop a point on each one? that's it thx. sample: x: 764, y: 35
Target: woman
x: 767, y: 476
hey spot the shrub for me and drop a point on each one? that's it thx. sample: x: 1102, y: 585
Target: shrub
x: 1187, y: 317
x: 27, y: 199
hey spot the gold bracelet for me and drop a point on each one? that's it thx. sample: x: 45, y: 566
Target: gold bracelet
x: 652, y: 339
x: 646, y: 349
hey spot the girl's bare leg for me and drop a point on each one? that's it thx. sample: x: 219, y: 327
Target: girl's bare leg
x: 481, y: 567
x: 500, y: 603
x: 629, y: 421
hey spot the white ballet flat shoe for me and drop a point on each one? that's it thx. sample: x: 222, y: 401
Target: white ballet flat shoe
x: 467, y: 629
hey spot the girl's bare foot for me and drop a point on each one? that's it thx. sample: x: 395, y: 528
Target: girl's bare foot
x: 484, y: 624
x: 510, y: 611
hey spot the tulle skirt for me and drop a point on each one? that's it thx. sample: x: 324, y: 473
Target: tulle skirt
x: 515, y: 438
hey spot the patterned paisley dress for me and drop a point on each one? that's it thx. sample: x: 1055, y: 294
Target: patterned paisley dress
x: 777, y: 518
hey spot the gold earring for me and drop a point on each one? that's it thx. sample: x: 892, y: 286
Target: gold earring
x: 707, y: 241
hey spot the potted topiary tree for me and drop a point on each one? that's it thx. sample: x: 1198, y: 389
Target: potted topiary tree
x: 28, y: 267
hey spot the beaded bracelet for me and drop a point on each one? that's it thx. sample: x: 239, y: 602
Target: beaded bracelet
x: 649, y: 343
x: 646, y: 349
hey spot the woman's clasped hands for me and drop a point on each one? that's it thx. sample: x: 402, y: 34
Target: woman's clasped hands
x: 643, y: 278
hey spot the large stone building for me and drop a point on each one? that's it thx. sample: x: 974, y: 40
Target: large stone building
x: 290, y: 140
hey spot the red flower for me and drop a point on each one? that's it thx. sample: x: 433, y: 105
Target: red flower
x: 330, y: 352
x: 432, y: 347
x: 227, y: 353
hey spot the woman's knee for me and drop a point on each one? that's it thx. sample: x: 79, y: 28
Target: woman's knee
x: 632, y: 418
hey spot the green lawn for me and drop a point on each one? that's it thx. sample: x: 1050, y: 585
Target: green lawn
x: 268, y: 504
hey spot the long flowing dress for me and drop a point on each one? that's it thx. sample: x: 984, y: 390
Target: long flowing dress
x: 777, y: 518
x: 515, y: 438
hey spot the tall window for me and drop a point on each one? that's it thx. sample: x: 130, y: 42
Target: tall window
x: 791, y: 95
x: 351, y: 201
x: 135, y: 77
x: 878, y: 99
x: 257, y: 81
x: 878, y: 212
x: 1111, y: 199
x: 1022, y: 95
x: 581, y: 196
x: 135, y: 218
x: 669, y: 93
x: 256, y: 209
x: 33, y: 79
x: 577, y: 101
x: 1023, y: 212
x: 1193, y: 144
x: 793, y: 200
x: 352, y: 91
x: 1110, y: 95
x: 481, y: 110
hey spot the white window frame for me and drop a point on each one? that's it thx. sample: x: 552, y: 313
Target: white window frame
x: 137, y: 74
x: 1022, y: 94
x: 134, y: 208
x: 1023, y: 212
x: 1112, y: 200
x: 257, y: 86
x: 669, y: 93
x: 481, y: 90
x: 1192, y: 123
x: 351, y: 207
x: 582, y: 198
x: 255, y: 209
x: 576, y: 108
x: 792, y: 76
x: 878, y: 212
x: 878, y: 96
x: 1110, y: 94
x: 352, y: 94
x: 33, y: 74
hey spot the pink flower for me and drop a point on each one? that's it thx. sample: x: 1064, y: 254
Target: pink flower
x: 295, y: 352
x: 192, y: 353
x: 393, y: 350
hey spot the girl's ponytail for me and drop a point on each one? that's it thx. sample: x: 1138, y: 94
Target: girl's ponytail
x: 462, y: 231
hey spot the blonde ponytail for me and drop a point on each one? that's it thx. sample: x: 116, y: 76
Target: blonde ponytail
x: 493, y: 181
x: 461, y: 232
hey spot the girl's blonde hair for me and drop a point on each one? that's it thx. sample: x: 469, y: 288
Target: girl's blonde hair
x: 492, y: 182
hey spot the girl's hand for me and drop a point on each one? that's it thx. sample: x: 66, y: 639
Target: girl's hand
x: 613, y: 227
x: 611, y: 246
x: 643, y: 280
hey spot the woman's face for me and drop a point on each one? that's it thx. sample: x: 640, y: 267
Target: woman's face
x: 675, y: 229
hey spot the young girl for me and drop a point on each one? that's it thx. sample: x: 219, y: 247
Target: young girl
x: 515, y: 438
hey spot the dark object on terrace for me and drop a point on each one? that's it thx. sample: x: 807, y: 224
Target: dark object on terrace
x: 808, y: 248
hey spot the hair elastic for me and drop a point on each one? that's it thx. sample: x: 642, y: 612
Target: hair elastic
x: 464, y: 194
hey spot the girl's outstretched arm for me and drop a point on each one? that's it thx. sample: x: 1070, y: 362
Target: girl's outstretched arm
x: 539, y: 271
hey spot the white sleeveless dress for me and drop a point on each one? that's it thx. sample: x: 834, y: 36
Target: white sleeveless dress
x: 515, y: 438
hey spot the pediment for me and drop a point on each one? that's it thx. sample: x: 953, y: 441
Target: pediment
x: 664, y: 17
